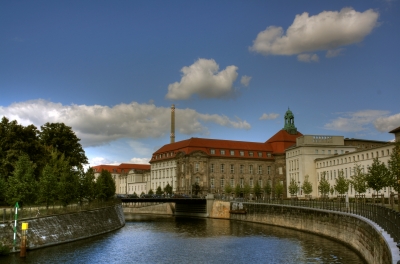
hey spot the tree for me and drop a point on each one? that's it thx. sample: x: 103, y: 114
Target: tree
x: 377, y: 176
x: 278, y: 189
x: 196, y: 188
x: 238, y: 190
x: 168, y: 189
x: 358, y: 180
x: 228, y: 188
x: 257, y: 190
x: 3, y: 185
x: 246, y: 189
x: 342, y: 184
x: 151, y: 192
x: 105, y: 185
x: 22, y: 186
x: 268, y: 189
x: 394, y: 168
x: 63, y: 139
x: 68, y: 186
x: 307, y: 186
x: 47, y: 182
x: 87, y: 185
x: 324, y: 185
x: 159, y: 190
x: 293, y: 187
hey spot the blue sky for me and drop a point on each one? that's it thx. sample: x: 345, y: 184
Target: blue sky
x: 112, y: 69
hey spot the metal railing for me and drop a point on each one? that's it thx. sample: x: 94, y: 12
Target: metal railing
x: 386, y: 218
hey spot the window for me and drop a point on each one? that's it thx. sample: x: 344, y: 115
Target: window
x: 329, y: 151
x: 212, y: 182
x: 259, y: 169
x: 232, y: 153
x: 251, y: 153
x: 316, y: 151
x: 251, y: 183
x: 232, y: 168
x: 241, y: 168
x: 260, y: 154
x: 196, y: 168
x: 197, y: 180
x: 212, y: 151
x: 241, y: 182
x: 335, y: 151
x: 269, y: 155
x: 222, y: 168
x: 323, y: 151
x: 212, y: 167
x: 269, y: 169
x: 222, y: 183
x: 251, y: 169
x: 260, y: 182
x: 222, y: 152
x: 232, y: 182
x: 241, y: 153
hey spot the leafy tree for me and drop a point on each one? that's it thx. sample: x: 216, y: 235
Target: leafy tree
x: 22, y: 186
x: 342, y: 184
x: 377, y: 176
x: 68, y: 186
x: 105, y: 185
x: 159, y: 190
x: 257, y: 190
x: 246, y: 189
x: 331, y: 190
x: 228, y: 188
x: 61, y: 137
x: 151, y: 192
x: 3, y: 185
x: 48, y: 181
x: 278, y: 190
x: 87, y: 185
x: 394, y: 168
x: 307, y: 186
x: 196, y: 189
x: 324, y: 185
x: 168, y: 189
x: 268, y: 189
x: 358, y: 180
x: 238, y: 190
x: 293, y: 187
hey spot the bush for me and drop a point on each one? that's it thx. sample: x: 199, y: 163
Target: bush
x: 4, y: 250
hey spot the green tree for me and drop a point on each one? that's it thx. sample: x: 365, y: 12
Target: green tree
x: 293, y: 187
x: 324, y: 185
x: 307, y: 186
x: 63, y: 139
x: 151, y: 192
x: 268, y: 189
x: 358, y: 180
x: 394, y: 168
x: 105, y: 185
x: 238, y: 190
x: 3, y: 185
x: 168, y: 189
x: 246, y: 189
x: 228, y: 188
x: 377, y: 176
x: 342, y: 184
x: 278, y: 190
x: 47, y: 182
x: 68, y: 186
x: 87, y: 185
x: 257, y: 190
x: 195, y: 189
x: 22, y: 186
x: 159, y: 190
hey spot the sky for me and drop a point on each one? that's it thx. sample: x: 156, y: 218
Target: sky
x: 112, y: 69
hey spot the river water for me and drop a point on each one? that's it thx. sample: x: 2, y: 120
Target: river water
x: 165, y: 239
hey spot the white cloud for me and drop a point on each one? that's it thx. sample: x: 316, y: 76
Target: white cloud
x: 386, y: 124
x: 101, y: 161
x: 333, y: 53
x: 140, y: 160
x: 245, y: 80
x: 326, y: 31
x: 306, y: 57
x: 355, y: 121
x: 97, y: 125
x: 204, y: 79
x: 269, y: 116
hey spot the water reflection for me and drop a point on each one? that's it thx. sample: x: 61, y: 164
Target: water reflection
x: 164, y: 239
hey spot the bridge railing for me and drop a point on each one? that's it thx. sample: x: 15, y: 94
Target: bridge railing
x: 385, y: 217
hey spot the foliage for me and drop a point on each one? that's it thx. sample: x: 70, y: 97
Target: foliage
x: 238, y: 190
x: 377, y: 176
x: 151, y: 192
x: 4, y: 249
x: 246, y: 189
x: 331, y: 190
x: 68, y: 186
x: 293, y: 187
x: 268, y: 189
x: 48, y: 180
x: 228, y: 188
x: 168, y: 189
x: 87, y: 185
x: 307, y: 186
x: 196, y: 189
x: 278, y: 189
x: 394, y: 168
x: 3, y: 185
x: 342, y: 184
x: 159, y: 190
x: 358, y: 180
x: 257, y: 190
x: 22, y: 186
x: 105, y: 185
x: 62, y: 138
x: 324, y: 185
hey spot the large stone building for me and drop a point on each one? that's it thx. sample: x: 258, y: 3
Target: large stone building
x: 214, y: 163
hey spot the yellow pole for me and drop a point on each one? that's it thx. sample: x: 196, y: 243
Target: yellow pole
x: 23, y: 240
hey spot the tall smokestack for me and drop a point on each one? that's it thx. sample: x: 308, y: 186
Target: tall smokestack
x: 172, y: 123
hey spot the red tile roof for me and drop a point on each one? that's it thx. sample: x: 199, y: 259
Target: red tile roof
x: 282, y: 140
x: 123, y: 166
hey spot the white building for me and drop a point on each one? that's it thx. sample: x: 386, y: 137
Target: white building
x: 163, y: 172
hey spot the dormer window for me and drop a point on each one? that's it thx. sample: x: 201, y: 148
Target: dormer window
x: 222, y: 152
x: 251, y: 153
x: 232, y: 153
x: 212, y: 151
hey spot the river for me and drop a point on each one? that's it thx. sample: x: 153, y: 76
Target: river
x: 166, y: 239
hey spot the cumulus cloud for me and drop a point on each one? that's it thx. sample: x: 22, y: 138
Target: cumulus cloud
x: 97, y: 124
x: 355, y: 121
x: 245, y: 80
x: 204, y: 79
x: 269, y: 116
x: 306, y: 57
x: 388, y: 123
x: 326, y: 31
x: 140, y: 160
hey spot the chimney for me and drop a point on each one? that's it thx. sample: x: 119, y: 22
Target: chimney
x: 172, y: 124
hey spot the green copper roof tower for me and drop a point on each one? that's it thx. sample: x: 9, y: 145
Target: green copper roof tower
x: 289, y: 123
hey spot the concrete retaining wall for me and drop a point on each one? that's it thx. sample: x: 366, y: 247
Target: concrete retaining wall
x: 57, y: 229
x: 162, y: 209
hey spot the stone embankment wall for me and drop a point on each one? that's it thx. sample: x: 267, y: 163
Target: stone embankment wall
x: 57, y: 229
x: 161, y: 209
x: 355, y: 231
